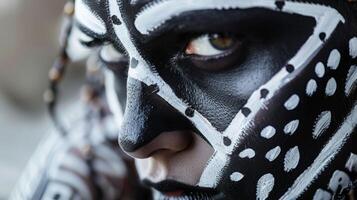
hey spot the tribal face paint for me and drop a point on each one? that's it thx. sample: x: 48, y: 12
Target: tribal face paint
x: 268, y: 85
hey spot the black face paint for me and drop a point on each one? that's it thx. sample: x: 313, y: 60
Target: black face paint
x: 280, y: 113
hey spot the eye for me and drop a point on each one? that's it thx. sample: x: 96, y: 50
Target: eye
x: 210, y: 45
x: 214, y: 52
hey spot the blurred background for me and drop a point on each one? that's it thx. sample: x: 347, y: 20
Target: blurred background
x: 28, y: 41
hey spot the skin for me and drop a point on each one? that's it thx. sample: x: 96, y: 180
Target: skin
x: 165, y: 143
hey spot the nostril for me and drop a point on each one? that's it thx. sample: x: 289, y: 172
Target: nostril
x: 173, y: 141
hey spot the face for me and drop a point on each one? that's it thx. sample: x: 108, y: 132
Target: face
x: 227, y: 99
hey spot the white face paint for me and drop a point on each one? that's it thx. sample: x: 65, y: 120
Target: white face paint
x: 292, y: 158
x: 339, y: 180
x: 273, y: 154
x: 291, y: 127
x: 351, y: 163
x: 265, y: 186
x: 268, y: 132
x: 236, y: 176
x: 334, y: 59
x: 320, y: 70
x: 88, y: 19
x: 322, y: 123
x: 311, y: 87
x: 351, y: 79
x: 75, y: 49
x: 322, y: 195
x: 247, y: 153
x: 353, y: 47
x: 331, y: 87
x: 292, y: 102
x: 110, y: 55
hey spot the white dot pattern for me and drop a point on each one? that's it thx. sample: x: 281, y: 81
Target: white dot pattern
x: 353, y: 47
x: 320, y: 70
x: 265, y: 186
x: 247, y: 153
x: 291, y: 159
x: 331, y: 87
x: 292, y: 102
x: 236, y: 176
x: 272, y: 154
x: 311, y: 87
x: 268, y: 132
x: 334, y: 59
x: 291, y: 127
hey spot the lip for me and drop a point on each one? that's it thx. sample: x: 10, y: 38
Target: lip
x: 171, y: 188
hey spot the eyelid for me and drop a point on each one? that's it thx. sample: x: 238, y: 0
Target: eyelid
x: 109, y: 54
x: 87, y: 37
x: 92, y: 43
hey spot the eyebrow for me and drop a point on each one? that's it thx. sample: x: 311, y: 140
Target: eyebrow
x: 159, y: 12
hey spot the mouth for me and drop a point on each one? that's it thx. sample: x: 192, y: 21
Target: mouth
x: 173, y: 190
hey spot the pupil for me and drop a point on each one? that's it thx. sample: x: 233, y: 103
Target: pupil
x: 220, y: 42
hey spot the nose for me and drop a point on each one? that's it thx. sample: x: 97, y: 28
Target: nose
x: 150, y: 123
x: 172, y: 142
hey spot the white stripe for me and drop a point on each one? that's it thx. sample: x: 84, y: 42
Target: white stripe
x: 351, y: 80
x: 327, y: 154
x: 213, y: 171
x: 322, y: 123
x: 161, y: 11
x: 87, y: 18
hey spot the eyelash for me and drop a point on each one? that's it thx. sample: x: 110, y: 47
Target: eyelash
x: 95, y: 42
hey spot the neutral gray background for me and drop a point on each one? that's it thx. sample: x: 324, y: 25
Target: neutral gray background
x: 28, y: 44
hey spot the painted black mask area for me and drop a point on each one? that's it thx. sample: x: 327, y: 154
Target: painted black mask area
x: 146, y: 116
x: 266, y: 40
x: 289, y: 145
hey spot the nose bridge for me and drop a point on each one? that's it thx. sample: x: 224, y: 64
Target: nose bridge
x: 146, y: 116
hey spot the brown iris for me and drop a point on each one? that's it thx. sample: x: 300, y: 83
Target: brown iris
x: 221, y: 42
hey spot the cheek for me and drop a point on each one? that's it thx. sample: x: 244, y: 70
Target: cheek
x: 142, y: 167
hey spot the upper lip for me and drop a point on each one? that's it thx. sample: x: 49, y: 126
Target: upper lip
x: 171, y: 186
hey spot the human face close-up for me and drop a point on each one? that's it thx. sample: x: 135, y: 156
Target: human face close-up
x: 231, y: 99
